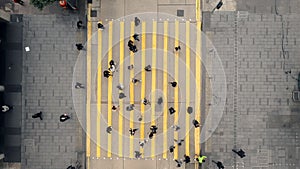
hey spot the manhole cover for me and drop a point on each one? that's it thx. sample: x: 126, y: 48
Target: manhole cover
x: 180, y: 12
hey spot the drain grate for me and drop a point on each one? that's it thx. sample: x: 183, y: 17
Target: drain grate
x: 180, y: 12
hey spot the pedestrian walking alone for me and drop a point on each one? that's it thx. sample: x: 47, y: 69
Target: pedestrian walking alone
x: 146, y: 101
x: 219, y: 164
x: 38, y: 115
x: 130, y: 67
x: 100, y: 26
x: 177, y: 48
x: 79, y: 86
x: 109, y: 130
x: 179, y: 163
x: 200, y: 158
x: 187, y: 159
x: 173, y: 84
x: 240, y: 153
x: 135, y: 81
x: 137, y: 21
x: 148, y: 68
x: 143, y: 142
x: 130, y: 107
x: 79, y: 46
x: 137, y: 154
x: 132, y: 131
x: 122, y: 95
x: 196, y: 123
x: 153, y: 129
x: 120, y: 87
x: 160, y: 101
x: 189, y: 110
x: 79, y: 25
x: 64, y: 117
x: 172, y: 110
x: 175, y: 127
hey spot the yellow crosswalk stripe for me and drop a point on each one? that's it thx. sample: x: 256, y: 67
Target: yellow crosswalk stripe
x: 121, y: 80
x: 153, y: 85
x: 131, y: 92
x: 165, y: 90
x: 187, y: 89
x: 109, y: 89
x: 99, y: 90
x: 88, y: 91
x: 198, y: 88
x: 143, y: 84
x: 176, y: 88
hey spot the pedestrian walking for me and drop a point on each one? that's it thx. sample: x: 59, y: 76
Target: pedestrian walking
x: 130, y: 67
x: 151, y: 135
x: 219, y: 5
x: 175, y: 127
x: 132, y: 131
x: 135, y: 81
x: 171, y: 148
x: 137, y: 154
x: 130, y: 107
x: 200, y: 158
x: 19, y: 2
x: 79, y: 46
x: 79, y: 25
x: 143, y: 142
x: 115, y: 108
x: 71, y: 167
x: 130, y: 43
x: 140, y: 117
x: 133, y: 49
x: 6, y: 108
x: 146, y: 101
x: 240, y: 153
x: 160, y: 101
x: 189, y: 110
x: 172, y: 110
x: 179, y: 163
x: 64, y: 117
x: 120, y: 86
x: 100, y: 26
x: 38, y: 115
x: 112, y: 67
x: 219, y: 164
x: 137, y: 21
x: 153, y: 129
x: 196, y: 123
x: 148, y: 68
x: 106, y: 73
x: 122, y: 95
x: 187, y: 159
x: 136, y: 37
x: 177, y: 48
x: 109, y: 129
x: 173, y: 84
x: 179, y: 142
x: 79, y: 86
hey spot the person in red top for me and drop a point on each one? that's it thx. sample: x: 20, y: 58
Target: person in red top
x: 19, y: 2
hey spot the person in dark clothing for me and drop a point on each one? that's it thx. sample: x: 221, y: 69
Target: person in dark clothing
x: 151, y: 135
x: 137, y: 21
x: 130, y: 43
x: 135, y: 81
x: 79, y: 86
x: 132, y: 131
x: 173, y: 84
x: 122, y: 95
x: 38, y: 115
x: 153, y: 129
x: 172, y: 110
x: 106, y: 73
x: 109, y: 129
x: 146, y: 101
x: 137, y: 154
x: 187, y: 159
x: 130, y: 107
x: 179, y: 142
x: 240, y: 153
x: 71, y: 167
x: 148, y: 68
x: 171, y: 148
x: 160, y: 101
x: 177, y: 48
x: 190, y: 110
x: 219, y: 164
x: 196, y: 123
x: 100, y: 26
x: 79, y: 25
x: 179, y: 163
x: 64, y: 117
x: 79, y: 46
x: 136, y: 37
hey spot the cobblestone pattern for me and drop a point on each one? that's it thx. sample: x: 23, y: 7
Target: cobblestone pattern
x: 47, y: 84
x: 268, y: 120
